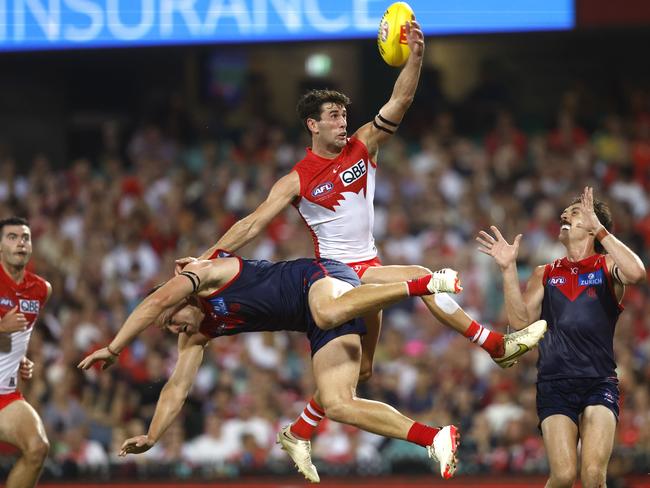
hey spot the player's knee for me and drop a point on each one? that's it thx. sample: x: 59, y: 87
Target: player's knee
x: 563, y: 477
x: 417, y: 271
x: 36, y: 451
x: 592, y: 475
x: 339, y: 410
x: 324, y: 317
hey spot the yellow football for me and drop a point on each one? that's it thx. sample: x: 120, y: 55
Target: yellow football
x: 391, y: 38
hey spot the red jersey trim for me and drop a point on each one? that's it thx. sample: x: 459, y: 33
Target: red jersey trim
x: 230, y: 282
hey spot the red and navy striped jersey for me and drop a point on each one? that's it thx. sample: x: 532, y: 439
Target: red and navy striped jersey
x: 581, y: 310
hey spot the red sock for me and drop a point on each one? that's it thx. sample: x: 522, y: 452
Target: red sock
x: 306, y: 424
x: 418, y: 286
x: 421, y: 434
x: 489, y: 340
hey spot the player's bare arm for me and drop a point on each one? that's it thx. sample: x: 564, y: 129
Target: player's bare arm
x: 625, y: 265
x: 197, y: 277
x: 534, y: 294
x: 505, y: 255
x: 281, y: 195
x: 173, y: 394
x: 386, y: 122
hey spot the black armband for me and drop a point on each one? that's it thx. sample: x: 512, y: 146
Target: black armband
x: 382, y: 128
x: 393, y: 126
x: 193, y: 277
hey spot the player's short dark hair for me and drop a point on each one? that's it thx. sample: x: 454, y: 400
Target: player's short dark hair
x: 604, y: 214
x: 12, y: 221
x: 311, y: 103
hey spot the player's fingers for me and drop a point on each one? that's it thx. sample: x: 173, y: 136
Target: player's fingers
x: 486, y: 236
x: 86, y: 362
x: 497, y: 232
x: 485, y: 244
x: 517, y: 241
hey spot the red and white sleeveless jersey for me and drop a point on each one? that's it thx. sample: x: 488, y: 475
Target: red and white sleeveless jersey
x: 30, y: 296
x: 336, y: 202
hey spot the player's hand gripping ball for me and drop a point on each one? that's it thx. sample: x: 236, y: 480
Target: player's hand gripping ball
x: 391, y: 38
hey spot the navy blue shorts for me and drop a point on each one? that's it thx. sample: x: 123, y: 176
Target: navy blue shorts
x: 571, y: 396
x: 335, y: 269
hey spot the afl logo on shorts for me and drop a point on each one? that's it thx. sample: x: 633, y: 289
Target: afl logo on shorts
x: 557, y: 280
x: 29, y: 306
x: 322, y: 189
x: 353, y: 173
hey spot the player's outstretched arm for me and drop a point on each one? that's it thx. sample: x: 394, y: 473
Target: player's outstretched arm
x: 521, y: 309
x: 173, y: 394
x: 243, y: 231
x: 173, y: 292
x: 385, y: 123
x: 626, y: 266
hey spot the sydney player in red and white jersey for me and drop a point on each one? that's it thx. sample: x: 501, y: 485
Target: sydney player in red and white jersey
x: 22, y: 296
x: 333, y: 189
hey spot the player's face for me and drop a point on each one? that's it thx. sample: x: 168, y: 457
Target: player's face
x: 333, y: 124
x: 16, y: 245
x: 181, y: 320
x: 570, y: 221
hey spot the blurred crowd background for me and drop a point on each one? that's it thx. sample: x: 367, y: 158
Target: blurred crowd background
x: 108, y: 223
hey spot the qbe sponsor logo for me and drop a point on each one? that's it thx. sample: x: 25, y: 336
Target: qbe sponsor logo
x: 353, y: 173
x: 29, y: 306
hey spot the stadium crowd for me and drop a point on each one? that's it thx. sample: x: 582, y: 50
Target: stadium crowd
x: 105, y: 230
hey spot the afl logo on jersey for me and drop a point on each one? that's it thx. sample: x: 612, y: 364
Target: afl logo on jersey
x: 353, y: 173
x: 557, y: 280
x: 6, y: 302
x: 322, y: 189
x: 29, y: 306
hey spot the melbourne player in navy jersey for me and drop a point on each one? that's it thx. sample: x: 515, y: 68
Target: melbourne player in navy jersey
x: 321, y: 297
x: 580, y: 298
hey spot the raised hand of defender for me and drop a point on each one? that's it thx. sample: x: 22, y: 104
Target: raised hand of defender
x: 102, y: 354
x: 589, y: 221
x: 13, y: 321
x: 136, y: 445
x: 26, y: 368
x: 414, y: 38
x: 504, y: 253
x: 180, y: 263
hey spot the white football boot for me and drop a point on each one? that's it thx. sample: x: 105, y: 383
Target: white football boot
x: 443, y: 450
x: 445, y: 280
x: 520, y: 342
x: 300, y: 452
